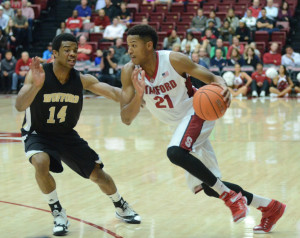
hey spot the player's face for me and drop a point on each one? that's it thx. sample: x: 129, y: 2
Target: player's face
x: 138, y: 49
x: 67, y: 54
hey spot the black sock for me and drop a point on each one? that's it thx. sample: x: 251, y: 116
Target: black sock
x: 238, y: 189
x: 190, y: 163
x: 212, y: 193
x: 55, y: 206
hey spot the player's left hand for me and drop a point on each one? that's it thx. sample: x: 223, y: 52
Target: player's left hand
x: 226, y: 93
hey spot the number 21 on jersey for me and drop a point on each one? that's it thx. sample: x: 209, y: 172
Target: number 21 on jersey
x: 61, y: 115
x: 163, y: 102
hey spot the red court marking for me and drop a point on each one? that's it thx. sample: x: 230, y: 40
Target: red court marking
x: 74, y: 218
x: 7, y: 137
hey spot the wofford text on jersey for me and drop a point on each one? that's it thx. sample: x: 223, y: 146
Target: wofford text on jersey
x: 61, y: 97
x: 161, y: 88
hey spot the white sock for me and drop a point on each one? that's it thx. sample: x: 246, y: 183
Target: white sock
x: 259, y: 201
x: 220, y: 187
x: 115, y: 197
x: 51, y: 197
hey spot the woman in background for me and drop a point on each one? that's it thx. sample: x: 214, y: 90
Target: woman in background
x: 241, y: 82
x: 282, y: 84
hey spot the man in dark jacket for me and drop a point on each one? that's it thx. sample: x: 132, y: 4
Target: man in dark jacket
x: 8, y: 65
x: 243, y: 32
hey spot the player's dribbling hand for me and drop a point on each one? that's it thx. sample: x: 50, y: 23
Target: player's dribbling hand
x: 37, y: 72
x: 226, y: 93
x: 139, y: 84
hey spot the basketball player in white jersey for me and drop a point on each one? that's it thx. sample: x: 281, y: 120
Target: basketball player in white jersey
x: 160, y: 79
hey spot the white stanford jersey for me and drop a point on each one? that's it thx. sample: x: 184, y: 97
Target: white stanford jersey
x: 168, y: 95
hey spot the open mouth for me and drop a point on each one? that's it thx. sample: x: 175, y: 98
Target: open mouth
x: 72, y: 62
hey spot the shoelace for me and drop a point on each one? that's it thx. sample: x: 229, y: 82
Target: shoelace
x: 125, y: 206
x: 59, y: 218
x: 265, y: 222
x: 56, y: 213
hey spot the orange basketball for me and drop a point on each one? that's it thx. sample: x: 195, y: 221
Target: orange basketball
x: 208, y: 102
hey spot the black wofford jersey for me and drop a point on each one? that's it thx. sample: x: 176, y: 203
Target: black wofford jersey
x: 56, y: 108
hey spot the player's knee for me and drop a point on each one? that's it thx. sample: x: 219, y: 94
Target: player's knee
x: 41, y: 162
x: 98, y: 176
x: 176, y: 154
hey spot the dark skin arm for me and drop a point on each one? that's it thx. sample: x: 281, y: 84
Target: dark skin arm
x: 183, y: 65
x: 92, y: 84
x: 132, y: 92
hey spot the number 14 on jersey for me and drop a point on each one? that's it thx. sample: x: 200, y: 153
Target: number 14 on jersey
x: 61, y: 115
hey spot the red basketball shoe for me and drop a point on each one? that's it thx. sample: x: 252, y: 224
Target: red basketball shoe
x: 270, y: 215
x: 237, y: 204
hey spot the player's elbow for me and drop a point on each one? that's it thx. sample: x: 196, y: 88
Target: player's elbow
x: 19, y: 107
x: 126, y: 120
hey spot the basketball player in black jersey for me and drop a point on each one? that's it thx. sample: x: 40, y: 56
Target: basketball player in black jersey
x: 52, y: 98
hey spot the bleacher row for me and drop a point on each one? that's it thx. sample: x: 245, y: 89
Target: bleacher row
x: 179, y: 16
x: 37, y: 7
x: 293, y: 71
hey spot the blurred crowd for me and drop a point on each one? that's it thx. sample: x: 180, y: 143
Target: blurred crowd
x: 220, y: 44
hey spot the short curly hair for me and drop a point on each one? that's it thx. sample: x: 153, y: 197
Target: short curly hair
x: 56, y: 43
x: 145, y: 32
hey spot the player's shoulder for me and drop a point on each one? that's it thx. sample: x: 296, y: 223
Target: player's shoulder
x: 128, y: 68
x: 177, y: 56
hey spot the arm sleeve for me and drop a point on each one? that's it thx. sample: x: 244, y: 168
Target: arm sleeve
x: 45, y: 55
x: 212, y: 52
x: 284, y: 60
x: 297, y: 59
x: 31, y: 15
x: 18, y: 67
x: 89, y: 10
x: 183, y: 43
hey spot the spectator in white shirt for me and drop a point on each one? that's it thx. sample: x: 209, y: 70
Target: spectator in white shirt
x: 190, y: 39
x: 249, y: 20
x: 291, y: 58
x: 8, y: 10
x: 272, y: 12
x: 3, y: 19
x: 100, y: 4
x: 113, y: 31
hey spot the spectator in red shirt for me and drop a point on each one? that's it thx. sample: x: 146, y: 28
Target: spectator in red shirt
x: 101, y: 21
x: 272, y: 57
x: 74, y: 23
x: 255, y: 9
x: 209, y: 38
x: 22, y: 68
x: 235, y: 44
x: 84, y: 50
x: 260, y: 82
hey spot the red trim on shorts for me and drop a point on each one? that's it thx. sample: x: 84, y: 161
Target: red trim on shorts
x: 189, y: 87
x: 155, y: 72
x: 192, y: 132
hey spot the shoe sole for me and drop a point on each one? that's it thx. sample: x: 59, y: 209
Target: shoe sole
x: 243, y: 218
x: 273, y: 227
x: 127, y: 221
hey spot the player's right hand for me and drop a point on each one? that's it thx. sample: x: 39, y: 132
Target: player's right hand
x: 139, y: 84
x: 37, y: 72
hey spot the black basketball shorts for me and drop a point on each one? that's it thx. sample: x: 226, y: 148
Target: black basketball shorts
x: 69, y: 148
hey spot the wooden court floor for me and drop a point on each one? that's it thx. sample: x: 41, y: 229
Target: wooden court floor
x: 256, y: 143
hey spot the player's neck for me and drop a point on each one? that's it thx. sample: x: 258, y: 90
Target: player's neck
x: 61, y: 73
x: 150, y: 65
